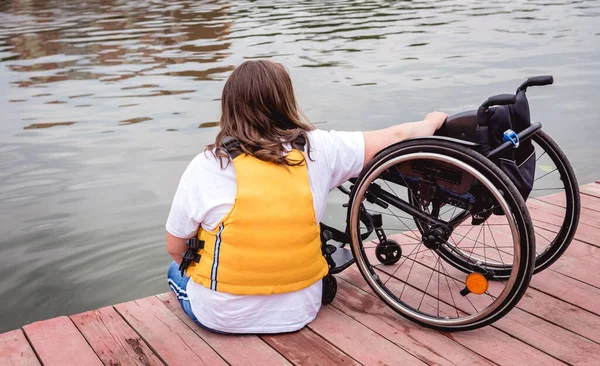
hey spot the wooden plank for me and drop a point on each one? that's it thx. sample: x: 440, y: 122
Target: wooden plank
x: 488, y: 342
x: 561, y: 313
x: 591, y: 189
x: 113, y: 340
x: 560, y: 343
x: 577, y: 268
x: 15, y: 350
x: 585, y: 252
x: 306, y: 348
x: 586, y: 216
x: 545, y: 219
x: 590, y: 203
x: 170, y: 338
x: 568, y: 289
x: 58, y: 342
x: 236, y: 350
x: 543, y: 335
x: 358, y: 341
x: 429, y: 346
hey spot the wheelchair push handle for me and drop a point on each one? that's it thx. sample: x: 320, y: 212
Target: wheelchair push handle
x: 500, y: 99
x: 537, y: 81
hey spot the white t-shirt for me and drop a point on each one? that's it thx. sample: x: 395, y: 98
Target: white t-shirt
x: 206, y: 194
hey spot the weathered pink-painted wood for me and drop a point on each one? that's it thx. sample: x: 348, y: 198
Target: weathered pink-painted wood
x: 561, y: 313
x: 546, y: 219
x: 590, y: 218
x: 358, y: 341
x: 586, y: 216
x: 556, y: 341
x: 236, y: 350
x: 15, y: 350
x: 592, y: 189
x: 306, y: 348
x: 373, y: 313
x: 570, y: 353
x: 590, y: 203
x: 112, y: 339
x: 58, y: 342
x: 568, y: 289
x: 585, y: 252
x: 170, y: 338
x: 488, y: 342
x: 579, y: 269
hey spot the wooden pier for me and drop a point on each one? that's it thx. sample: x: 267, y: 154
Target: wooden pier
x: 556, y: 322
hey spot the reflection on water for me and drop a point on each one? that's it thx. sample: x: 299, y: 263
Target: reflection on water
x: 208, y: 124
x: 47, y: 125
x: 105, y: 102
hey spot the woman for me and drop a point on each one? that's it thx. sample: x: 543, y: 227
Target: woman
x: 255, y: 204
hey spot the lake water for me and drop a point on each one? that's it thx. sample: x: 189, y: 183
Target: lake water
x: 104, y: 103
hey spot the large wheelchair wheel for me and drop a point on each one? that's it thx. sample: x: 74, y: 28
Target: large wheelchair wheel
x: 421, y: 285
x: 554, y: 207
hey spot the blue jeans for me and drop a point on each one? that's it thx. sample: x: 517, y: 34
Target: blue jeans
x: 178, y: 284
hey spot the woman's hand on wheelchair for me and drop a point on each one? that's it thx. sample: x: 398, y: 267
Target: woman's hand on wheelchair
x: 435, y: 120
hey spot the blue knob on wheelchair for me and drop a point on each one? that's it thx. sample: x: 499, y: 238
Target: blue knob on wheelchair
x: 510, y: 135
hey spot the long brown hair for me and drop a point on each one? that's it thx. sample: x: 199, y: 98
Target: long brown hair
x: 259, y: 109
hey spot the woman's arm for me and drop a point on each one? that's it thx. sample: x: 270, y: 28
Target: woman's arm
x: 176, y: 247
x: 377, y: 140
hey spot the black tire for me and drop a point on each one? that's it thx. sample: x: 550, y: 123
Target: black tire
x: 504, y: 190
x: 573, y: 204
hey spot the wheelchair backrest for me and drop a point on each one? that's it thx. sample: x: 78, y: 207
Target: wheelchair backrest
x: 488, y: 129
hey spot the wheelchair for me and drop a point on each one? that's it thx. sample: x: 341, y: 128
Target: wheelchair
x: 448, y: 230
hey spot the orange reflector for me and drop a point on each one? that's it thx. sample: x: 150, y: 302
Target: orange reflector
x: 476, y: 283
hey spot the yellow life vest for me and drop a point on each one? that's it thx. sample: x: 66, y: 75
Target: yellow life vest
x: 269, y: 242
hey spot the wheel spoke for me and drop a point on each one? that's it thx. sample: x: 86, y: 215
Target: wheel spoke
x: 540, y: 156
x: 405, y: 258
x: 497, y: 248
x: 550, y: 172
x: 426, y: 287
x: 409, y: 271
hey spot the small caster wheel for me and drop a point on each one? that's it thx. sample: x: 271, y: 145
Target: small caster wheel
x: 388, y: 252
x: 329, y: 289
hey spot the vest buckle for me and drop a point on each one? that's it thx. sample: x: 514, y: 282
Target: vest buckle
x: 193, y: 244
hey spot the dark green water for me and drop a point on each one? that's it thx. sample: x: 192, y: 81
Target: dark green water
x: 104, y: 103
